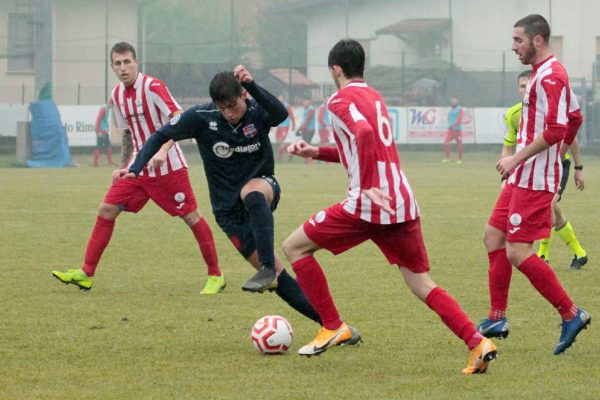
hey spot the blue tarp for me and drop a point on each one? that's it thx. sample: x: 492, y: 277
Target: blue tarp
x: 49, y: 143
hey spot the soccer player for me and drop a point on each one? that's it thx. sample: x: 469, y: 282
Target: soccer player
x: 379, y: 206
x: 307, y: 129
x: 232, y: 134
x: 454, y: 132
x: 560, y: 223
x: 282, y: 130
x: 102, y: 138
x: 324, y: 122
x: 523, y: 211
x: 141, y: 104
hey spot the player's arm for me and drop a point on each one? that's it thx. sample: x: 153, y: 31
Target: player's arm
x: 578, y: 165
x: 126, y: 148
x: 303, y: 149
x: 555, y: 124
x: 161, y: 155
x: 276, y: 111
x: 185, y: 127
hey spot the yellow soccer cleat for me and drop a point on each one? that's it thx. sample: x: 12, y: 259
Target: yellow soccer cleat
x: 481, y: 357
x: 75, y: 277
x: 329, y: 338
x: 214, y: 285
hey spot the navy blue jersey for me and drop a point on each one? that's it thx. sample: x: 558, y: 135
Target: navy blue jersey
x: 232, y: 155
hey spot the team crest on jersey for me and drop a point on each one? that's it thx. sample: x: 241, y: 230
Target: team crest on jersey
x: 249, y: 131
x: 175, y: 119
x: 138, y: 102
x: 515, y: 219
x: 212, y: 125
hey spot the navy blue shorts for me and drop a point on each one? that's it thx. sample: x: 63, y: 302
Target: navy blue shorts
x: 236, y: 222
x: 566, y: 164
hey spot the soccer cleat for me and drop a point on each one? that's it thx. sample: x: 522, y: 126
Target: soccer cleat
x: 264, y: 279
x: 545, y: 259
x: 214, y: 285
x: 494, y: 328
x: 480, y: 357
x: 356, y: 339
x: 75, y: 277
x: 459, y: 162
x: 570, y: 330
x: 578, y: 262
x: 326, y: 338
x: 445, y: 161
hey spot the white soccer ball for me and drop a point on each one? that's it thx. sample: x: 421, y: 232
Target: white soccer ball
x: 272, y: 334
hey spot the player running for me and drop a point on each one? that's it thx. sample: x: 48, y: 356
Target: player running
x: 142, y: 104
x: 523, y: 211
x: 380, y: 206
x: 232, y: 134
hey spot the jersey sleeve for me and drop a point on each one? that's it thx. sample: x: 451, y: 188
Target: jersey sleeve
x: 364, y: 133
x: 161, y: 97
x: 512, y: 119
x: 555, y: 99
x: 119, y: 119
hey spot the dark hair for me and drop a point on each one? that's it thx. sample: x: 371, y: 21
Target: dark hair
x: 534, y: 25
x: 122, y: 47
x: 224, y: 87
x: 349, y: 55
x: 524, y: 74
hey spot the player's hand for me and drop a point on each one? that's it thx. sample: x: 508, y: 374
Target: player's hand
x: 380, y: 199
x: 579, y: 179
x: 303, y: 149
x: 506, y: 165
x: 242, y: 75
x: 122, y: 173
x: 157, y: 161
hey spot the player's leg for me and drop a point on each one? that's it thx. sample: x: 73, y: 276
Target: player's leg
x: 565, y: 231
x: 123, y: 195
x: 96, y: 156
x: 258, y: 196
x: 459, y: 146
x: 403, y: 245
x: 533, y: 209
x: 327, y: 229
x: 447, y: 139
x: 500, y: 269
x: 204, y: 236
x: 544, y: 248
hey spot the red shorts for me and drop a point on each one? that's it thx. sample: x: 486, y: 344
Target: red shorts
x: 281, y: 133
x: 172, y: 192
x: 453, y: 135
x: 337, y: 231
x: 524, y: 215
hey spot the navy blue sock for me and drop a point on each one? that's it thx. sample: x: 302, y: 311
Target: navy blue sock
x: 289, y: 290
x: 261, y: 222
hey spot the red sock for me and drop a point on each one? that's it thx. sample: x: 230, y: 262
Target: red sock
x: 499, y: 276
x: 96, y: 244
x: 545, y: 281
x: 109, y: 155
x: 460, y: 149
x: 311, y: 279
x: 205, y: 240
x: 453, y: 316
x: 96, y: 156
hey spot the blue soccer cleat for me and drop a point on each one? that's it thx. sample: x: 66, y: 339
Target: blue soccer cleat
x: 494, y: 328
x: 570, y: 330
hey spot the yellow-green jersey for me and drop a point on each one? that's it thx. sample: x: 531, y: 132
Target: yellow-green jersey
x: 512, y: 119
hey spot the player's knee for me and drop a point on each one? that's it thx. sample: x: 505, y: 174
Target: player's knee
x: 515, y: 256
x: 254, y: 199
x: 287, y: 248
x: 108, y: 211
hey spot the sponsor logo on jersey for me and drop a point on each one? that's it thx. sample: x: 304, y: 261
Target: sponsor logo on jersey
x: 224, y: 150
x: 249, y: 131
x: 515, y: 219
x: 175, y: 119
x: 212, y: 125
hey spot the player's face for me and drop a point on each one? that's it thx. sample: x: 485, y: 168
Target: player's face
x: 232, y: 110
x: 523, y: 86
x: 523, y: 46
x: 125, y: 67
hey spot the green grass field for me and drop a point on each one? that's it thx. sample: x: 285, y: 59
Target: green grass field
x: 144, y: 332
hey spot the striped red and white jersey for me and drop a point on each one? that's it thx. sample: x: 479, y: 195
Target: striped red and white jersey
x: 352, y: 105
x: 547, y: 103
x: 142, y: 108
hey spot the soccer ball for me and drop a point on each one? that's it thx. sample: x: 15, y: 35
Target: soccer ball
x: 272, y: 334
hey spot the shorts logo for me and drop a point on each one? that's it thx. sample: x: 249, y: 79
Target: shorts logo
x: 515, y: 219
x: 179, y: 197
x: 212, y: 125
x: 175, y: 119
x: 320, y: 217
x: 513, y: 230
x: 222, y: 150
